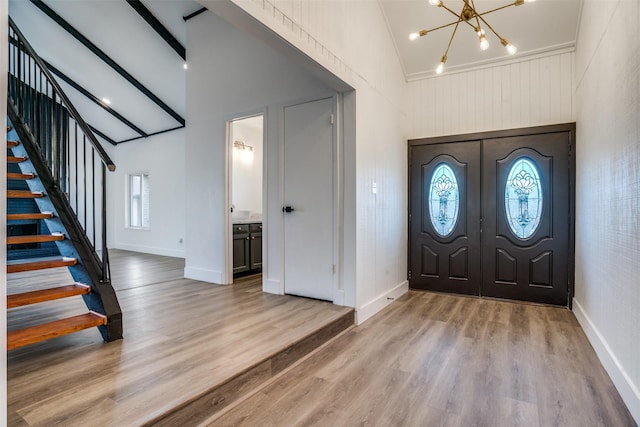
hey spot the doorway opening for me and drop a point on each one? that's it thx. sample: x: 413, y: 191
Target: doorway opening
x: 246, y: 144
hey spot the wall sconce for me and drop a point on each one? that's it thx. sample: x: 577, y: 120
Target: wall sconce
x: 242, y: 146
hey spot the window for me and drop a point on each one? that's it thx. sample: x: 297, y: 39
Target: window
x: 523, y: 198
x: 444, y: 200
x: 138, y: 186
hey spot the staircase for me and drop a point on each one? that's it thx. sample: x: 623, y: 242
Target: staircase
x: 56, y: 204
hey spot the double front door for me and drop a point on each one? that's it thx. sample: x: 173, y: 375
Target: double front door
x: 492, y: 216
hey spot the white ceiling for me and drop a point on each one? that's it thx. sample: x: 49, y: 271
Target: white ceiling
x: 534, y: 27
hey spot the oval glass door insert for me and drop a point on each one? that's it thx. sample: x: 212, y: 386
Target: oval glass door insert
x: 523, y: 198
x: 444, y: 200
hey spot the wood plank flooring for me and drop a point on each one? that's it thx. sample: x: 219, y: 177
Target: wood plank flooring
x: 180, y: 337
x: 441, y: 360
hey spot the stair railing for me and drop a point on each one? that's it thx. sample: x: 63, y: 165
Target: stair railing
x: 70, y: 163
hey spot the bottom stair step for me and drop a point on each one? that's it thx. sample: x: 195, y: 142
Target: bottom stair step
x: 58, y: 328
x: 19, y: 265
x: 50, y: 294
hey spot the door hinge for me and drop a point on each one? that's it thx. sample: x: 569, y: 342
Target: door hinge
x: 331, y: 119
x: 409, y: 275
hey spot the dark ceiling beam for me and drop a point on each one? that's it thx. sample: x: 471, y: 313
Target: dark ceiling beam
x: 104, y: 57
x: 158, y: 27
x: 194, y: 14
x: 151, y: 134
x: 95, y: 99
x: 102, y: 135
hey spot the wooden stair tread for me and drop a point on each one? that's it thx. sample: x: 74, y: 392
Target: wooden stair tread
x: 54, y: 329
x: 11, y: 144
x: 13, y: 175
x: 23, y: 216
x: 34, y: 238
x: 50, y: 294
x: 23, y: 194
x: 16, y: 266
x: 14, y: 159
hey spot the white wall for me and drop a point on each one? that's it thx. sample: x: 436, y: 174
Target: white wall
x: 350, y: 39
x: 232, y: 74
x: 163, y: 158
x: 536, y: 91
x: 246, y: 180
x: 607, y: 300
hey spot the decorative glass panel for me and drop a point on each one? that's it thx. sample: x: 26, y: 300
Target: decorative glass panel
x: 523, y: 198
x: 444, y: 200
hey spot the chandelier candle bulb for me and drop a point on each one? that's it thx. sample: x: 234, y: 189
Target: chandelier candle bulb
x: 510, y: 48
x: 484, y: 43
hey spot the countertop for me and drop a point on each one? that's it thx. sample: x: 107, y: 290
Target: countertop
x: 247, y: 221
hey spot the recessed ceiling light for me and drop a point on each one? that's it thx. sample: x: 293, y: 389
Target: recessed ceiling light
x: 106, y: 101
x: 185, y: 66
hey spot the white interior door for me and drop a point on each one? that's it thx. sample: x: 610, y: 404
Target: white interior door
x: 308, y: 191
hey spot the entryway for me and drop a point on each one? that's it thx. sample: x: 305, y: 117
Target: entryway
x: 491, y: 214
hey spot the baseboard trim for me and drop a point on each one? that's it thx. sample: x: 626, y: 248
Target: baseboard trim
x: 367, y: 310
x: 271, y: 286
x: 150, y: 250
x: 627, y: 389
x: 204, y: 275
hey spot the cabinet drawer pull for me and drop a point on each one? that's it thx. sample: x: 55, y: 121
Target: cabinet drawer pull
x: 253, y: 238
x: 247, y: 237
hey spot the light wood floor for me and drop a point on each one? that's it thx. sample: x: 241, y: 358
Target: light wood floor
x: 180, y: 337
x: 441, y: 360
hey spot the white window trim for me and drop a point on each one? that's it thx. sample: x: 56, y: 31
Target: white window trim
x: 129, y: 202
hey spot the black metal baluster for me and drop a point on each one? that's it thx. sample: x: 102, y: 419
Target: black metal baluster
x: 93, y: 195
x: 76, y: 165
x: 84, y: 180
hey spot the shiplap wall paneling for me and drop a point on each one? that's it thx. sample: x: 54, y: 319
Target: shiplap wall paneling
x: 529, y: 93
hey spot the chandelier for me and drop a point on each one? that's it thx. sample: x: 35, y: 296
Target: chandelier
x: 470, y: 16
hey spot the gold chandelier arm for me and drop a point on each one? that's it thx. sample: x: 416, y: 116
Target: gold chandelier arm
x: 490, y: 27
x: 497, y: 9
x: 452, y: 36
x: 442, y: 26
x: 473, y: 6
x: 456, y: 15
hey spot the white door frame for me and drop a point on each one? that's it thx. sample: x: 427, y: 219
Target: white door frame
x: 228, y: 220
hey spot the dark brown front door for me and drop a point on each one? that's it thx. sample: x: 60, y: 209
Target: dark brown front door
x: 492, y: 216
x: 445, y: 216
x: 525, y: 205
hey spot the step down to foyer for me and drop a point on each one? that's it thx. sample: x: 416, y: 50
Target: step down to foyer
x: 54, y: 329
x: 34, y: 238
x: 13, y: 175
x: 50, y: 294
x: 26, y: 216
x: 17, y: 266
x: 24, y: 194
x: 203, y: 406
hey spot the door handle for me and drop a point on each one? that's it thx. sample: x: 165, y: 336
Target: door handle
x: 287, y: 209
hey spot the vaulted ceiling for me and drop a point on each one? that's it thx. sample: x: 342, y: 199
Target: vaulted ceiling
x: 534, y: 27
x: 124, y: 37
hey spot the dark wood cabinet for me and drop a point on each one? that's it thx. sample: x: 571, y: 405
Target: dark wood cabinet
x: 247, y: 248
